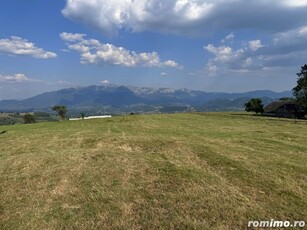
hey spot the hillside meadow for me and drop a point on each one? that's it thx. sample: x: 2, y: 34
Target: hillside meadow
x: 178, y: 171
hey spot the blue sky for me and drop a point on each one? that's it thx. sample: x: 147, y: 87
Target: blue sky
x: 210, y: 45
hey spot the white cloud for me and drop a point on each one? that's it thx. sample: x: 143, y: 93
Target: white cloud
x: 72, y: 37
x: 187, y: 17
x: 285, y: 49
x: 224, y: 53
x: 16, y: 78
x: 229, y: 38
x: 295, y: 3
x: 94, y: 52
x: 105, y: 82
x: 292, y: 38
x: 172, y: 64
x: 163, y: 74
x: 18, y: 46
x: 226, y: 58
x: 212, y: 68
x: 255, y: 45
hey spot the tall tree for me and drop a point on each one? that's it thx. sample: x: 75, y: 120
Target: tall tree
x: 300, y: 91
x: 254, y: 105
x: 61, y: 110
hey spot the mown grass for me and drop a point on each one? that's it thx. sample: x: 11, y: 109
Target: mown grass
x: 180, y: 171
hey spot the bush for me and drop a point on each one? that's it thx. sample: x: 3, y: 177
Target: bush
x: 28, y: 118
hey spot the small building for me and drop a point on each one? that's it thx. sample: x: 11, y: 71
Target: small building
x: 286, y: 109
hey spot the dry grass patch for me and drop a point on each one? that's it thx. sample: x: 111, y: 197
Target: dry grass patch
x: 182, y: 171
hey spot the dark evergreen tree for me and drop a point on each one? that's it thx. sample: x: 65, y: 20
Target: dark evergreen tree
x: 300, y: 91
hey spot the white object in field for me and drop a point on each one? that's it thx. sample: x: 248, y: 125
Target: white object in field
x: 90, y: 117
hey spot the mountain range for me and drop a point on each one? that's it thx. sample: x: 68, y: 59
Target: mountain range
x: 120, y: 99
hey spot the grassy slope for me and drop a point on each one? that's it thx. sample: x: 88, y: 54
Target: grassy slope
x: 155, y: 171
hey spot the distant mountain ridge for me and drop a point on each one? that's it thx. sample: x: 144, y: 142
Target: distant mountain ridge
x: 114, y: 96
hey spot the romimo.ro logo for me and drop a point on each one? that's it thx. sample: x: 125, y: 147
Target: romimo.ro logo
x: 276, y: 224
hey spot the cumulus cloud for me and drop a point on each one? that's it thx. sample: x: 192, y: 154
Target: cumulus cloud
x: 19, y: 46
x: 285, y: 49
x: 229, y: 59
x: 16, y: 78
x: 255, y: 45
x: 172, y: 64
x: 72, y: 37
x: 223, y: 53
x: 225, y: 58
x: 94, y: 52
x: 187, y: 16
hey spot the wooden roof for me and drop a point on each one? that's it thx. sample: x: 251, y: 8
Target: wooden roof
x: 272, y: 107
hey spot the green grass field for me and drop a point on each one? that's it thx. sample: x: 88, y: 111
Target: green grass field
x: 180, y: 171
